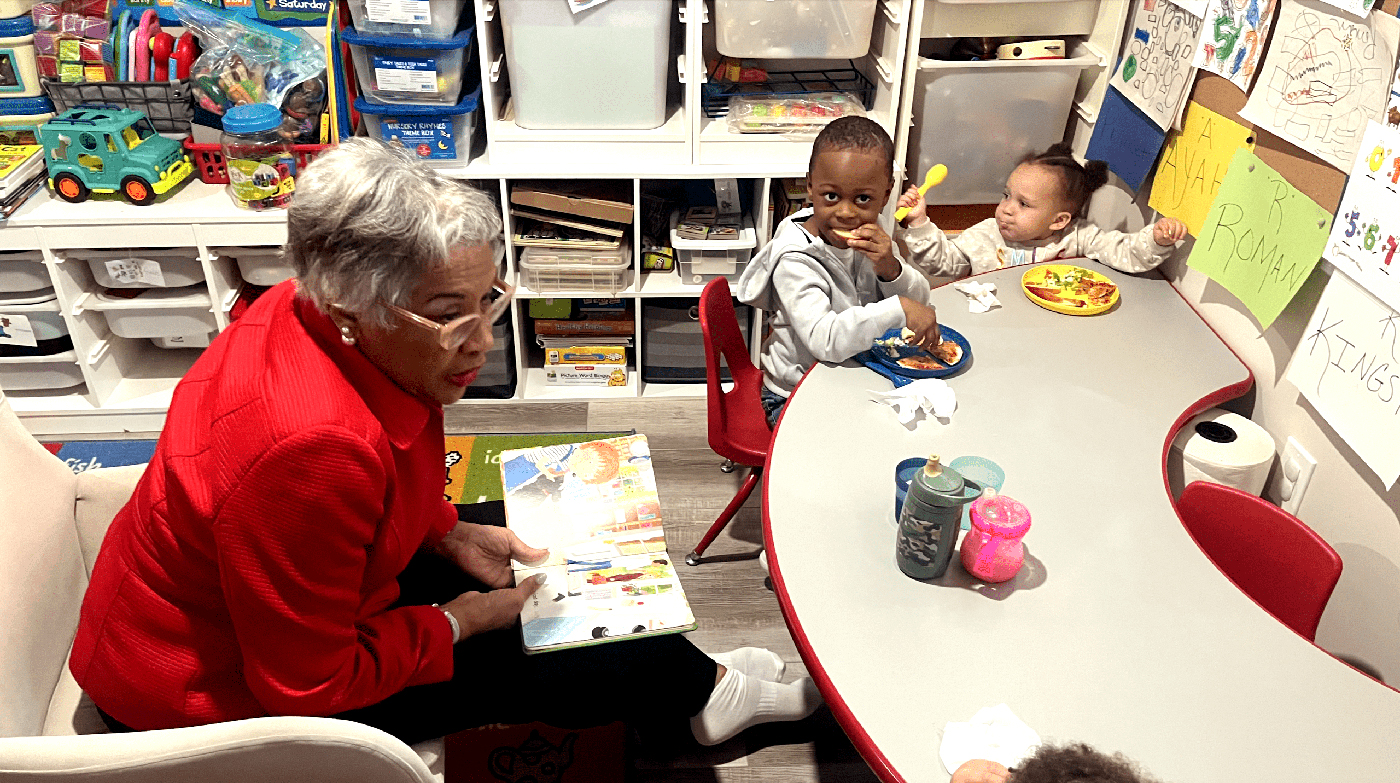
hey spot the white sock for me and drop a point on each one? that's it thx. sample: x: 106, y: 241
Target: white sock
x: 753, y: 661
x: 739, y: 701
x: 763, y: 559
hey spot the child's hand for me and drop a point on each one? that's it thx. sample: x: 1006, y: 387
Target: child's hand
x: 981, y: 771
x: 874, y: 244
x: 1167, y: 231
x: 921, y: 319
x: 918, y: 211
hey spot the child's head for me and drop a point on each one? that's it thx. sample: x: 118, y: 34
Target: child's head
x: 849, y: 177
x: 1046, y: 193
x: 1077, y: 763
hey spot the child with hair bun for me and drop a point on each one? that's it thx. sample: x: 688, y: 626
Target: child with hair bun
x: 1040, y: 218
x: 1072, y: 763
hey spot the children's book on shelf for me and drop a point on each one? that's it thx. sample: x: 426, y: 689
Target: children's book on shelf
x: 595, y: 507
x: 18, y: 164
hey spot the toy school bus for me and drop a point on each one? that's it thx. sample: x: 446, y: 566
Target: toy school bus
x: 106, y: 149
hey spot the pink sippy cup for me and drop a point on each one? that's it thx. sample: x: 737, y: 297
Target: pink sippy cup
x: 991, y: 550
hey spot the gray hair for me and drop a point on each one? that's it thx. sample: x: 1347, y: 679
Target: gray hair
x: 369, y: 220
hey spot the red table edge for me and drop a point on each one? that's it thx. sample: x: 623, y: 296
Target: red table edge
x: 859, y: 737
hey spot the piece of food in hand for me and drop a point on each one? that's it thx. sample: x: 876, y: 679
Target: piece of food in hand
x: 846, y: 235
x: 948, y: 352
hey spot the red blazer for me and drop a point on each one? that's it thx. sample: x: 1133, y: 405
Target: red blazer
x: 252, y: 571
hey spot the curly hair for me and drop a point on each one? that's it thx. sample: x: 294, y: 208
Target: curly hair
x: 854, y: 133
x: 1076, y: 763
x: 1078, y: 180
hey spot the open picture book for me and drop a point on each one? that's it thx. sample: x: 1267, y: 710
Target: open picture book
x: 594, y: 505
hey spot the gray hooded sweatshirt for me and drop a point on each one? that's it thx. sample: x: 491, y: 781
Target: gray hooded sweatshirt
x: 827, y: 304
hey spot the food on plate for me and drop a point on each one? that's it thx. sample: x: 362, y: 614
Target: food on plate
x: 1099, y: 291
x: 921, y: 362
x: 949, y: 352
x: 945, y: 354
x: 1053, y: 295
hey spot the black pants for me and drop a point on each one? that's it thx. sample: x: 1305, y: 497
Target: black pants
x: 654, y: 682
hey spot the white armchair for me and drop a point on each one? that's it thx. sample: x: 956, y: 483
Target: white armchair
x: 51, y: 525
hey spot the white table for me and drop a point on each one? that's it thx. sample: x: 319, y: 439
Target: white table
x: 1118, y: 631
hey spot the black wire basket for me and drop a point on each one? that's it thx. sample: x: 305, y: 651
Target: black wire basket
x: 715, y: 95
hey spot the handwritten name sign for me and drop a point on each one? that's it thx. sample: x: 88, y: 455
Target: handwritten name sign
x: 1194, y: 163
x: 1365, y: 240
x: 1348, y: 366
x: 1261, y: 238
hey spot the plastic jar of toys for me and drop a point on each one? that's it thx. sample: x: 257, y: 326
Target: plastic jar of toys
x: 261, y: 167
x: 19, y: 68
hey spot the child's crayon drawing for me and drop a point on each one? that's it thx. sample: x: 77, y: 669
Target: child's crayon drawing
x: 1324, y: 76
x: 1232, y: 38
x: 1155, y: 72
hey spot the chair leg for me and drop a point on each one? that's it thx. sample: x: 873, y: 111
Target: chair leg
x: 728, y: 466
x: 730, y: 510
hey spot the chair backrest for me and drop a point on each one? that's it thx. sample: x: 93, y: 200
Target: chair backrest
x: 1269, y: 553
x: 738, y: 428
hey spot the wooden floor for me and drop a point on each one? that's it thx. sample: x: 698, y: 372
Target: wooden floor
x: 727, y: 592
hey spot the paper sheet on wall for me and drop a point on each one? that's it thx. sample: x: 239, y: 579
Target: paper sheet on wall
x: 1233, y: 35
x: 1356, y: 8
x: 1261, y: 238
x: 1392, y: 109
x: 1194, y: 163
x: 1324, y: 76
x: 1125, y: 139
x: 1348, y: 366
x: 1155, y: 71
x: 1365, y: 238
x: 1196, y: 8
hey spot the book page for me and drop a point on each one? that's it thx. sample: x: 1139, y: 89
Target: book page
x: 595, y: 506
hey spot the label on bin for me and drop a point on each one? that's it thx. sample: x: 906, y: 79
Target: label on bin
x: 398, y: 11
x: 15, y: 330
x: 127, y: 271
x: 405, y: 74
x: 431, y: 139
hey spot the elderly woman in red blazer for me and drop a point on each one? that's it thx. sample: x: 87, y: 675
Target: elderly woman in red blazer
x: 288, y: 550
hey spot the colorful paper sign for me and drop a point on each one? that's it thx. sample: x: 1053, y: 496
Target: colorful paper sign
x: 1125, y: 139
x: 1365, y: 239
x: 1348, y: 366
x: 1325, y: 75
x: 1261, y: 238
x: 1155, y: 72
x: 1232, y: 38
x: 1194, y: 163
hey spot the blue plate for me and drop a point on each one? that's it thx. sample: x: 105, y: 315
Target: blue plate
x: 881, y: 354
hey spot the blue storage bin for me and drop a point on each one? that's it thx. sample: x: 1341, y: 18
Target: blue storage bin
x: 438, y: 134
x: 412, y: 70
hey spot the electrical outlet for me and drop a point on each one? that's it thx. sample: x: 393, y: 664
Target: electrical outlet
x: 1296, y: 468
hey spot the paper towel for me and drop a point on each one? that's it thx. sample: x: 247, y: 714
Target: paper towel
x: 1242, y: 463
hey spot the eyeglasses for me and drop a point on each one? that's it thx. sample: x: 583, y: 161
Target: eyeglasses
x: 457, y: 332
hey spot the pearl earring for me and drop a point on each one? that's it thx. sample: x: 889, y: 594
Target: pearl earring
x: 345, y: 336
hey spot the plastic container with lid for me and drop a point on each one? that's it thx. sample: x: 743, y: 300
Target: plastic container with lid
x: 144, y: 268
x: 437, y: 134
x: 261, y: 166
x: 32, y: 325
x: 554, y: 269
x: 12, y: 8
x: 930, y: 519
x: 157, y: 312
x: 701, y: 260
x: 412, y: 70
x: 811, y: 29
x: 20, y: 119
x: 992, y: 549
x: 23, y: 271
x: 428, y: 19
x: 19, y: 68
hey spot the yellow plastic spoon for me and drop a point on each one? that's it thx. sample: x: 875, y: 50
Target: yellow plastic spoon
x: 935, y: 175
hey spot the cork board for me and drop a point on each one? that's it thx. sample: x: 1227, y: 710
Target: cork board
x: 1315, y: 178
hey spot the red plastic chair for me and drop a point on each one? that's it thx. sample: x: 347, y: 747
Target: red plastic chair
x: 738, y: 427
x: 1266, y: 551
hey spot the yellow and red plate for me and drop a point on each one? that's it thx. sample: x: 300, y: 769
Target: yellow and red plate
x: 1069, y: 289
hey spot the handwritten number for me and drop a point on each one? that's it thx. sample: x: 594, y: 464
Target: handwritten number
x: 1351, y: 222
x: 1376, y: 158
x: 1395, y: 171
x: 1370, y: 241
x: 1393, y: 246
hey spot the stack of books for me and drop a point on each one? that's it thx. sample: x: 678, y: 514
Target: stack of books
x: 589, y: 217
x: 22, y: 173
x: 588, y: 345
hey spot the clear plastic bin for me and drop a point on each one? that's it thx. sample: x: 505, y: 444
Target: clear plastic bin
x: 260, y: 265
x: 552, y: 269
x: 25, y: 374
x: 143, y: 268
x: 604, y: 67
x: 981, y: 118
x: 23, y: 271
x: 701, y: 260
x: 158, y: 312
x: 410, y: 70
x: 1015, y: 18
x: 40, y: 310
x: 437, y: 134
x: 183, y: 341
x: 794, y: 28
x: 428, y: 19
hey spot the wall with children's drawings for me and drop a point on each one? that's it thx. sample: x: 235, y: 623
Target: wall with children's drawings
x: 1343, y: 412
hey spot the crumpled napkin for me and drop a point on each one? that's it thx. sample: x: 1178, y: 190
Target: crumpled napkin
x: 993, y: 733
x: 981, y: 297
x: 930, y: 395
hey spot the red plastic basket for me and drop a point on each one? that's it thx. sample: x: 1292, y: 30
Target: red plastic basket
x: 208, y: 159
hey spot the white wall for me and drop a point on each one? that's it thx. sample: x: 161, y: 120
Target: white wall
x: 1345, y: 503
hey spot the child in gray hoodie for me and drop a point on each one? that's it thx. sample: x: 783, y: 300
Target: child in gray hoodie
x: 830, y: 276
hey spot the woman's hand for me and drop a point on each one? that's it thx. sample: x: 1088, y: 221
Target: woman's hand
x: 921, y: 319
x: 481, y: 612
x: 980, y: 771
x: 1167, y: 231
x: 913, y: 200
x: 485, y: 552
